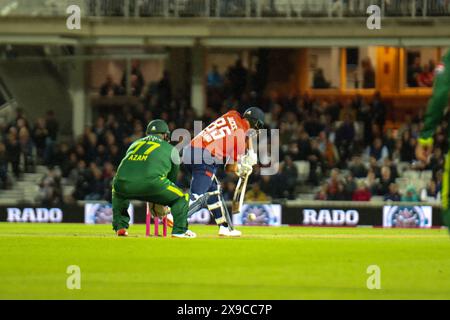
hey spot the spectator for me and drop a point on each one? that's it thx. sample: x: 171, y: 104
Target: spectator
x: 436, y: 161
x: 425, y: 78
x: 315, y: 162
x: 368, y: 74
x: 323, y: 193
x: 108, y: 177
x: 13, y: 151
x: 371, y: 181
x: 392, y: 194
x: 52, y: 126
x: 345, y: 136
x: 109, y: 88
x: 390, y: 140
x: 40, y: 135
x: 328, y: 150
x: 378, y: 151
x: 431, y: 62
x: 408, y: 146
x: 313, y: 125
x: 164, y: 90
x: 96, y: 187
x: 340, y: 195
x: 26, y: 149
x: 385, y: 181
x: 414, y: 70
x: 319, y: 81
x: 349, y: 187
x: 214, y: 79
x: 114, y: 155
x: 137, y: 79
x: 69, y: 164
x: 3, y: 167
x: 304, y: 145
x: 255, y: 194
x: 82, y: 178
x: 293, y: 151
x: 238, y: 79
x: 378, y: 110
x: 357, y: 168
x: 50, y: 190
x: 431, y: 193
x: 335, y: 186
x: 288, y: 175
x: 410, y: 195
x: 362, y: 193
x: 375, y: 167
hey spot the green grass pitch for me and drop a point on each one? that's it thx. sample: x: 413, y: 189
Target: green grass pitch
x: 266, y: 263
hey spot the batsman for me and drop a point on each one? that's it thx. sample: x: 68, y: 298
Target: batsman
x: 148, y: 173
x: 225, y: 141
x: 433, y: 116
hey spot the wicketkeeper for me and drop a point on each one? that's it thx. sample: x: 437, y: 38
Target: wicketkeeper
x: 148, y: 173
x: 225, y: 141
x: 433, y: 116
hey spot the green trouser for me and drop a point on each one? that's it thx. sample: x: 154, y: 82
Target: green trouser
x: 445, y: 192
x: 160, y: 191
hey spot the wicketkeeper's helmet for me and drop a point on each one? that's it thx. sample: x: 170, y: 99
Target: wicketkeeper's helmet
x: 255, y: 117
x: 157, y: 126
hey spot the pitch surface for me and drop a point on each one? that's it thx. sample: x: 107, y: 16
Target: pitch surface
x: 266, y: 263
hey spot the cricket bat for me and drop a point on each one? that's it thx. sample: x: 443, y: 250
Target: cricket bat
x: 241, y: 188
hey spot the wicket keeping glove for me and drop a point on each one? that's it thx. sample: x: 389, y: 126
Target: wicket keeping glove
x: 159, y: 210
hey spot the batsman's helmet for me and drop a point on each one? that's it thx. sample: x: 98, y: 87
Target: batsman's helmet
x: 255, y: 117
x: 157, y: 126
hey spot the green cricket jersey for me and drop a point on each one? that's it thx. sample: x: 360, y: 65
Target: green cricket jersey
x: 147, y: 159
x: 147, y: 173
x: 438, y: 101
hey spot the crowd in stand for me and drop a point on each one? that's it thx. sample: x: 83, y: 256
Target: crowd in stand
x: 420, y: 75
x: 22, y: 145
x: 352, y: 155
x: 350, y: 152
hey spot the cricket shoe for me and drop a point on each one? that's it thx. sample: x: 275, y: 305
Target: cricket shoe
x: 122, y: 232
x: 226, y: 232
x: 187, y: 235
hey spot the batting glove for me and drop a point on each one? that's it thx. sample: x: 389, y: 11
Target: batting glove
x: 250, y: 159
x: 244, y: 169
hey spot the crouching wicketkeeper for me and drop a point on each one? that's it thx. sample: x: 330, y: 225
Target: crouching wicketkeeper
x: 147, y: 173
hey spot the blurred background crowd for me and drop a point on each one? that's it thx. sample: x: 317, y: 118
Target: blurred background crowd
x: 329, y: 150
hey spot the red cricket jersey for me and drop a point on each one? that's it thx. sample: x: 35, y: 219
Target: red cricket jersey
x: 225, y: 137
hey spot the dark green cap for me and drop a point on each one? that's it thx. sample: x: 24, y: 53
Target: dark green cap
x: 157, y: 126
